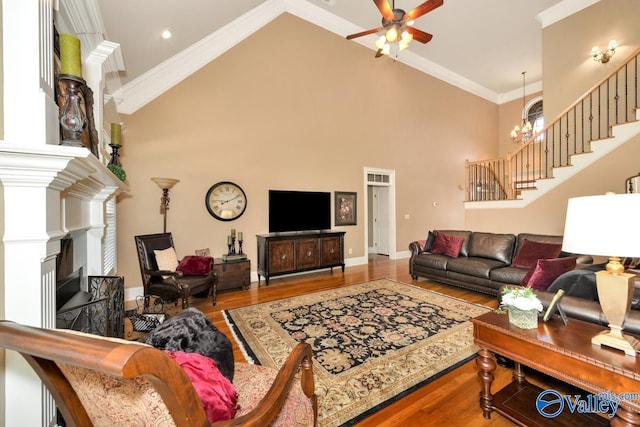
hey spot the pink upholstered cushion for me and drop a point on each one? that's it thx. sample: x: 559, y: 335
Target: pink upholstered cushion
x: 194, y: 265
x: 548, y: 270
x: 252, y: 383
x: 530, y: 252
x: 217, y: 394
x: 113, y: 402
x: 447, y: 244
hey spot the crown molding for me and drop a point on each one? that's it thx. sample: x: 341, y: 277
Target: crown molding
x: 161, y: 78
x: 562, y: 10
x: 147, y: 87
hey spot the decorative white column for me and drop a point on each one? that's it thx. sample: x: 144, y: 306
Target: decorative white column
x: 30, y: 207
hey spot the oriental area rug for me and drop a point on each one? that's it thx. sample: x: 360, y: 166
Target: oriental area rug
x: 373, y: 343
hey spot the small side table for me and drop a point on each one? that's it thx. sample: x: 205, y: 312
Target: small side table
x: 233, y: 274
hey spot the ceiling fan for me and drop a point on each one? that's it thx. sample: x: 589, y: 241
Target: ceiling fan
x: 398, y: 25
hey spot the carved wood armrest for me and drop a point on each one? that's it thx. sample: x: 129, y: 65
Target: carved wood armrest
x: 269, y: 407
x: 43, y: 349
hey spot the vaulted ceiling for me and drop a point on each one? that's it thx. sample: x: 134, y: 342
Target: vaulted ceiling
x: 480, y: 46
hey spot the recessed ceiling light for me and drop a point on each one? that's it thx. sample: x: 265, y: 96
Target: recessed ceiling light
x: 166, y: 34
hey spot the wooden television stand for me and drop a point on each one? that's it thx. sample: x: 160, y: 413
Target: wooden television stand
x: 285, y: 253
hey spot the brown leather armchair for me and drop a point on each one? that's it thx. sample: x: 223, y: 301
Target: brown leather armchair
x: 169, y: 284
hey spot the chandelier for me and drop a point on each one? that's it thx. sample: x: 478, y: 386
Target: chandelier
x: 521, y: 134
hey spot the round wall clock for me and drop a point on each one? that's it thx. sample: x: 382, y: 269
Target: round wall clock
x: 226, y: 201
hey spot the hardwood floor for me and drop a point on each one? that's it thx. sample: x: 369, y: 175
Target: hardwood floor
x: 450, y: 400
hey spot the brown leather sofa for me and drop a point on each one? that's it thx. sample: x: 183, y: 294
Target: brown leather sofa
x: 484, y: 265
x: 586, y: 307
x: 484, y: 261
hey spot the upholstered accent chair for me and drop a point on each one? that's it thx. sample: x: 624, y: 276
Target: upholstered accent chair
x: 97, y: 381
x: 166, y: 281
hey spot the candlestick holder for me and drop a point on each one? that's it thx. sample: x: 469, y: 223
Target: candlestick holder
x: 232, y: 246
x: 240, y: 247
x: 114, y: 163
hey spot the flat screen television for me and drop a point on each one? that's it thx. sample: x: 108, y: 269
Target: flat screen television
x: 299, y: 211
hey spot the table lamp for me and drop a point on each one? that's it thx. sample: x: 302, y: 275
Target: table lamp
x: 605, y: 226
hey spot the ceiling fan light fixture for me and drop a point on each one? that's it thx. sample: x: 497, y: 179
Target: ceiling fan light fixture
x: 392, y: 34
x: 397, y: 26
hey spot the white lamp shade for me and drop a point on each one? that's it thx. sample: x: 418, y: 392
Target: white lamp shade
x: 603, y: 225
x: 165, y: 183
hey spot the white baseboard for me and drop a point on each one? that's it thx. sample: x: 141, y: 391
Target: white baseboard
x: 403, y: 254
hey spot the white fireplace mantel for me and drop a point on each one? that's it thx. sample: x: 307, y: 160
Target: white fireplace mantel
x: 48, y: 192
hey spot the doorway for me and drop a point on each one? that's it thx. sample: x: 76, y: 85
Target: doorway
x: 380, y: 237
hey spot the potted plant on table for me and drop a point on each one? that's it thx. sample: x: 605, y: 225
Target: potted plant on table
x: 522, y: 305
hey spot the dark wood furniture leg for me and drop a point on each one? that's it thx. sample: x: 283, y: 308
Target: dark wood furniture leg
x: 518, y: 375
x: 487, y: 365
x: 625, y: 418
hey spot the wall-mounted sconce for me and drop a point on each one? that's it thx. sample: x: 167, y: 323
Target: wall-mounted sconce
x: 604, y: 57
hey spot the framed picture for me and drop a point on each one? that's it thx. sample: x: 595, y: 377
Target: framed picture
x: 345, y: 204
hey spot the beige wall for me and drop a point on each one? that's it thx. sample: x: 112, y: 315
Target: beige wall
x: 569, y: 72
x: 297, y: 107
x: 1, y: 78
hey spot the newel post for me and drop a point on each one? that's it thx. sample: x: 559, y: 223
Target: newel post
x: 467, y: 195
x: 509, y: 178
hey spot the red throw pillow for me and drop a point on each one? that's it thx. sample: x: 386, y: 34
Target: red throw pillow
x: 547, y: 271
x: 447, y: 244
x: 218, y: 396
x: 194, y: 265
x: 530, y: 252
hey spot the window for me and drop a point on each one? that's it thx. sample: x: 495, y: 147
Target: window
x: 535, y: 116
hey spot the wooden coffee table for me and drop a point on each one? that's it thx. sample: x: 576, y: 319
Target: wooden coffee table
x: 563, y: 352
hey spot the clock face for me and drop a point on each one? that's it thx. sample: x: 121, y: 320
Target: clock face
x: 226, y: 201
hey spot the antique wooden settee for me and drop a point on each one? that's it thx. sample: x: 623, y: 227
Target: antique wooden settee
x: 153, y: 388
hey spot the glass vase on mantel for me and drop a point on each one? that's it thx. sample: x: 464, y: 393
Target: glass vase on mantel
x: 524, y: 319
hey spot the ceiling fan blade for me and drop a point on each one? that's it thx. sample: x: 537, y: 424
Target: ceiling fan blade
x: 424, y: 8
x: 384, y: 8
x: 379, y: 53
x: 364, y: 33
x: 419, y: 35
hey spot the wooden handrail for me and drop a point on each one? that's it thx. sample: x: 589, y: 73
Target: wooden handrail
x: 589, y: 118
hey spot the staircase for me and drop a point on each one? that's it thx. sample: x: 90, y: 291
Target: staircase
x: 600, y: 121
